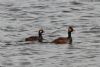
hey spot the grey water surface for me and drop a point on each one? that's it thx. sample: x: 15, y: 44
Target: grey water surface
x: 23, y: 18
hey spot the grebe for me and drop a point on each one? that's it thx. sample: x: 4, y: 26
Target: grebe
x: 64, y: 40
x: 36, y: 38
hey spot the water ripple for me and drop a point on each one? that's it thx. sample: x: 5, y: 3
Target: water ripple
x: 20, y: 19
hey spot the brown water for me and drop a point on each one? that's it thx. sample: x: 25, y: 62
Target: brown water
x: 22, y: 18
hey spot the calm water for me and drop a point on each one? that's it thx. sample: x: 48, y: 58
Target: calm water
x: 22, y: 18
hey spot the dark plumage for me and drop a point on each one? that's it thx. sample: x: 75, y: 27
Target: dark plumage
x: 36, y: 38
x: 64, y: 40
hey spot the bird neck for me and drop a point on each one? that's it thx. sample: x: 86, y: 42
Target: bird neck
x: 69, y: 34
x: 40, y: 37
x: 40, y: 34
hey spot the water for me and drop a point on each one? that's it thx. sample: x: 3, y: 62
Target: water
x: 22, y: 18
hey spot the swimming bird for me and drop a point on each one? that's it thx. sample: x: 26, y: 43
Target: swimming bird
x: 64, y: 40
x: 38, y: 38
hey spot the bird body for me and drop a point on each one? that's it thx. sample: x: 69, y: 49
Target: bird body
x: 36, y: 38
x: 64, y: 40
x: 60, y: 40
x: 32, y: 38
